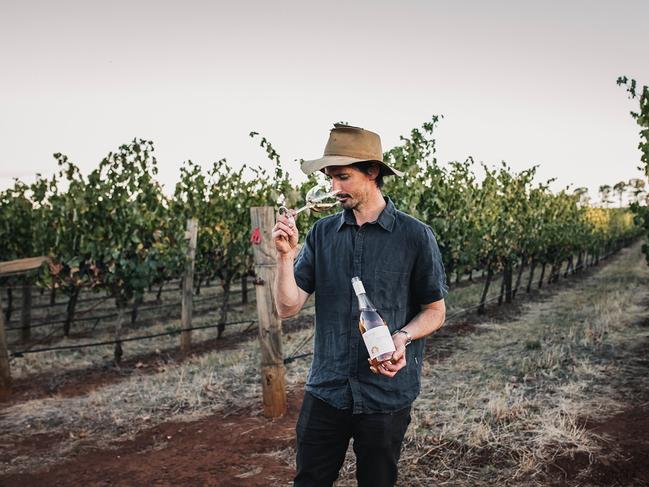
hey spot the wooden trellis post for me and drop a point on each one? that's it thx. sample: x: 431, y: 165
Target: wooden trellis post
x: 13, y: 268
x: 188, y: 287
x: 270, y: 326
x: 5, y: 374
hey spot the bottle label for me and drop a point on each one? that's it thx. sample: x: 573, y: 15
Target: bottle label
x: 378, y: 341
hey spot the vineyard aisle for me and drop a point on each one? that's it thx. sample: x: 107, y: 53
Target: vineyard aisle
x: 558, y: 395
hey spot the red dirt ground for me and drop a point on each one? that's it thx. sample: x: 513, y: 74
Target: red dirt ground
x: 238, y: 450
x: 232, y: 451
x: 627, y: 432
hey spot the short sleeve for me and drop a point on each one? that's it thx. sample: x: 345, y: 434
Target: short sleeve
x: 429, y: 277
x: 304, y: 267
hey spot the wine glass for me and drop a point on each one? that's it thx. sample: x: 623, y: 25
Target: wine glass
x: 318, y: 198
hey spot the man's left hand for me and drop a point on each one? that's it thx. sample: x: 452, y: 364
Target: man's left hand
x: 390, y: 367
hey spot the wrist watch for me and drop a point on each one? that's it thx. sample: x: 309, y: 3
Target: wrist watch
x: 408, y: 337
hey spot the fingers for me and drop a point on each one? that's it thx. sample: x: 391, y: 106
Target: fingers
x: 398, y: 355
x: 285, y: 227
x: 285, y: 232
x: 388, y: 367
x: 287, y: 216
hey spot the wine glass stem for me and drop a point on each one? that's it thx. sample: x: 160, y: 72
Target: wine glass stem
x: 305, y: 207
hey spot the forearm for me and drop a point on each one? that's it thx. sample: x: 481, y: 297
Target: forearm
x: 287, y: 292
x: 427, y: 321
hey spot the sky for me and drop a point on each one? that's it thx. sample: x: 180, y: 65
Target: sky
x: 530, y: 83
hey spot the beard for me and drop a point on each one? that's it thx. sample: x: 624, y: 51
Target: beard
x: 349, y: 203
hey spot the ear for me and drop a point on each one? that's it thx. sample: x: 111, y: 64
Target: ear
x: 373, y: 171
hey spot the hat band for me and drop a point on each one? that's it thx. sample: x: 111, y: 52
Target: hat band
x: 366, y: 156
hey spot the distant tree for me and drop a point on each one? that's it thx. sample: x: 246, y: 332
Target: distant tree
x: 636, y: 189
x: 620, y: 188
x: 582, y: 195
x: 605, y: 195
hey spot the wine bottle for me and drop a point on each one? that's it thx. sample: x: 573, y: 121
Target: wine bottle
x: 373, y: 328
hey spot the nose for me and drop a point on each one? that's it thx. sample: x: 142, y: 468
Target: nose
x: 335, y: 186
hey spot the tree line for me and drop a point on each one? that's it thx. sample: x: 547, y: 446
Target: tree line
x: 116, y: 231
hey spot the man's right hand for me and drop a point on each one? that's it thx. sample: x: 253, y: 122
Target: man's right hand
x: 285, y: 233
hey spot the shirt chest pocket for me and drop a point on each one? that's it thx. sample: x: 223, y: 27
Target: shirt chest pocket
x: 391, y: 289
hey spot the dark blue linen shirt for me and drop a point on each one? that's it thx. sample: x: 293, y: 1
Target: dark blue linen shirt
x: 399, y: 262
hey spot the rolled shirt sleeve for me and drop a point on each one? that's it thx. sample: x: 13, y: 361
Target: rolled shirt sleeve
x: 429, y: 277
x: 304, y: 267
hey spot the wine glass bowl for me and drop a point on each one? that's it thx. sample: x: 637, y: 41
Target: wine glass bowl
x: 319, y: 198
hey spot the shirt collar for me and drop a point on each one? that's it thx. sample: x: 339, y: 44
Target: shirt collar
x: 386, y: 219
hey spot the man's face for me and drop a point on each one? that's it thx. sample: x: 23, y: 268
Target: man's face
x: 354, y: 186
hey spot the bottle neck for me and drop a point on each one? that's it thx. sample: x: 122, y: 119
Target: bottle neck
x: 364, y: 302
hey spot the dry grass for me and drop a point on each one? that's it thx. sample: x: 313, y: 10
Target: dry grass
x: 467, y: 296
x: 221, y: 381
x: 64, y: 360
x: 496, y: 406
x: 80, y: 359
x: 514, y: 396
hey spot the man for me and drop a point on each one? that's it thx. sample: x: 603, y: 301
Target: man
x: 398, y: 261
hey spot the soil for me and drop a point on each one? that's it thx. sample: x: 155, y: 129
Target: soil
x: 626, y: 433
x: 234, y: 451
x: 247, y: 450
x: 241, y: 450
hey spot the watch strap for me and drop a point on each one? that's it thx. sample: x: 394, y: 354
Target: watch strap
x: 408, y: 336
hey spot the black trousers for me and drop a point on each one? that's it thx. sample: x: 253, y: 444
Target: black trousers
x: 323, y: 434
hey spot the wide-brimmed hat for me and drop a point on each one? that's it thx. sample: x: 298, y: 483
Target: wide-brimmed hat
x: 347, y: 145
